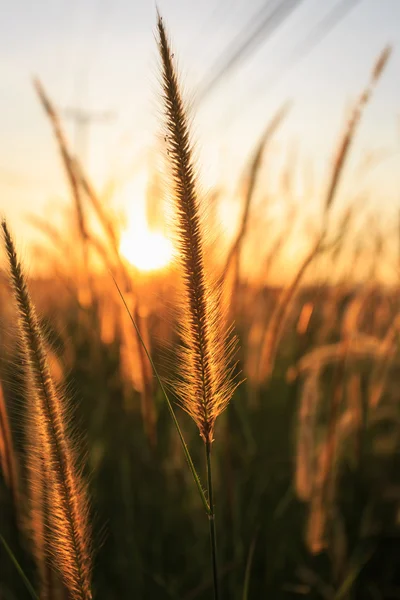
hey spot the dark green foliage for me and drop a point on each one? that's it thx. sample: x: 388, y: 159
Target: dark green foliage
x: 150, y: 535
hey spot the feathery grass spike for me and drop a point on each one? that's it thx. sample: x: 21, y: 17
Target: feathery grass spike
x: 206, y: 386
x: 355, y: 118
x: 68, y: 532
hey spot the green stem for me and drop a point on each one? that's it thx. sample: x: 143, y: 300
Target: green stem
x: 249, y: 564
x: 211, y: 520
x: 171, y: 410
x: 26, y: 581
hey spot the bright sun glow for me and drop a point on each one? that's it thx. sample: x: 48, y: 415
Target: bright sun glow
x: 146, y: 250
x: 142, y: 243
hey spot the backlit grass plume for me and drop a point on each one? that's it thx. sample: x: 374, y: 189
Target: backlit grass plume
x: 351, y: 127
x: 67, y: 534
x: 206, y: 386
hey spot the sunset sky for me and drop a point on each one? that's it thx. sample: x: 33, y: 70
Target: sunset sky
x: 101, y: 55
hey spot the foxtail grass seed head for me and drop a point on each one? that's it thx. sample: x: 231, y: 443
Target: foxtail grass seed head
x: 206, y: 385
x: 67, y: 536
x: 351, y: 127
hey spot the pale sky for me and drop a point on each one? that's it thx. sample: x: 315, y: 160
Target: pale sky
x: 101, y: 55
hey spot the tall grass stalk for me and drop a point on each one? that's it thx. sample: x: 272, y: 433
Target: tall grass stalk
x: 148, y: 407
x: 169, y: 405
x: 277, y: 321
x: 351, y: 127
x: 274, y: 329
x: 211, y: 518
x: 79, y: 183
x: 205, y: 385
x: 252, y: 177
x: 73, y: 180
x: 68, y: 535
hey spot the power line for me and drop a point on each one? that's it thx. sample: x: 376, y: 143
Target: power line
x: 103, y: 12
x: 301, y: 50
x: 82, y: 120
x: 262, y: 25
x: 212, y: 19
x: 316, y: 36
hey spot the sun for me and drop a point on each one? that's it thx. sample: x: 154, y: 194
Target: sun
x: 143, y: 243
x: 146, y: 250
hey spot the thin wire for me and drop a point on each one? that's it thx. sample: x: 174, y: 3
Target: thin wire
x: 259, y: 29
x: 240, y: 39
x: 246, y: 41
x: 169, y: 405
x: 212, y: 19
x: 301, y: 50
x: 209, y: 29
x: 327, y: 24
x: 102, y: 12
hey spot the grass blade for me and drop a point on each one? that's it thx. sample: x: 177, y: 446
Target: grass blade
x: 26, y: 581
x: 171, y: 410
x: 249, y: 564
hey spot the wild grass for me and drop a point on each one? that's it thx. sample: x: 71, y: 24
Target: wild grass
x: 206, y: 388
x: 205, y: 384
x: 234, y: 254
x: 304, y: 461
x: 54, y: 476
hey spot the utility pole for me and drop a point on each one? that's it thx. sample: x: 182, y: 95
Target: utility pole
x: 82, y: 120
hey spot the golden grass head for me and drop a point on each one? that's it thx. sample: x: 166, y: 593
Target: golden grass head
x: 67, y: 536
x: 206, y: 385
x: 350, y: 130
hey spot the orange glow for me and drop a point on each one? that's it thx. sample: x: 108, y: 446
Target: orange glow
x: 146, y: 250
x: 143, y: 247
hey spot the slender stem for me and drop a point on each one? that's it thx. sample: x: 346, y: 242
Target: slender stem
x: 26, y: 581
x: 248, y: 568
x: 211, y: 520
x: 169, y: 405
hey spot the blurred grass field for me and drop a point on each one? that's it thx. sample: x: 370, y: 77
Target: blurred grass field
x: 306, y: 455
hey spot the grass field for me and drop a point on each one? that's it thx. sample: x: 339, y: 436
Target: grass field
x: 279, y: 478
